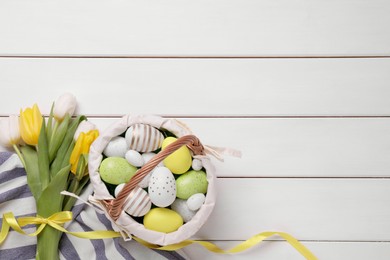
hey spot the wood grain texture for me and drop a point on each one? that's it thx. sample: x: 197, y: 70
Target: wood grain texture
x: 276, y: 250
x: 200, y: 28
x: 309, y: 209
x: 309, y: 147
x: 181, y: 87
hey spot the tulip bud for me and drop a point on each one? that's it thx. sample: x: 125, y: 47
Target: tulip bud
x: 84, y: 127
x: 65, y: 104
x: 81, y: 147
x: 30, y: 124
x: 9, y: 131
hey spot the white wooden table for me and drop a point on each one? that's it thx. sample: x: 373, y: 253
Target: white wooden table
x: 301, y: 87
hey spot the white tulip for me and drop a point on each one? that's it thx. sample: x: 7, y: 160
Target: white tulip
x: 84, y: 127
x: 9, y: 131
x: 65, y: 104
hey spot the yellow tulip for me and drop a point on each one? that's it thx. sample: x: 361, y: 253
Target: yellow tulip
x: 81, y: 147
x: 30, y: 124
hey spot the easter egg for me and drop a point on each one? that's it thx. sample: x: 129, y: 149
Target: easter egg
x: 117, y: 147
x: 143, y: 138
x: 162, y: 187
x: 197, y: 164
x: 196, y: 201
x: 179, y: 161
x: 116, y: 170
x: 137, y: 203
x: 180, y: 206
x: 144, y: 183
x: 118, y: 189
x: 190, y: 183
x: 134, y: 158
x: 148, y: 156
x: 163, y: 220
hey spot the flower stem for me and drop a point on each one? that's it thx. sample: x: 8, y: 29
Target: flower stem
x: 53, y: 133
x: 16, y: 148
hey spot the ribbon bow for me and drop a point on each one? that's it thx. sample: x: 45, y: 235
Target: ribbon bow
x: 55, y: 221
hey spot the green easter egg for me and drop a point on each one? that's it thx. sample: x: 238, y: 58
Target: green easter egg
x: 190, y: 183
x: 116, y: 170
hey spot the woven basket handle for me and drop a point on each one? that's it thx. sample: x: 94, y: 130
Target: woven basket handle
x: 114, y: 206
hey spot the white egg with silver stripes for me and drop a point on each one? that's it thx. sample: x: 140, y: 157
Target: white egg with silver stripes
x: 143, y: 138
x: 137, y: 203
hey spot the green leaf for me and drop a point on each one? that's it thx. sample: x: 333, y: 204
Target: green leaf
x: 57, y: 137
x: 43, y: 158
x: 62, y: 157
x: 75, y: 187
x: 33, y: 180
x: 49, y: 128
x: 50, y: 201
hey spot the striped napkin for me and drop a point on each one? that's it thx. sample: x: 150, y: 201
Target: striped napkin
x: 15, y: 196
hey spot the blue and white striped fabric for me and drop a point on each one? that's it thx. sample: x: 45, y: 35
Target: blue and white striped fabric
x: 16, y: 197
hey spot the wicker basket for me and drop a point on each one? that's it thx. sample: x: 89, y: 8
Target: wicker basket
x: 112, y: 207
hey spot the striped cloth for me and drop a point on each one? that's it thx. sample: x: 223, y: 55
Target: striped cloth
x: 16, y: 197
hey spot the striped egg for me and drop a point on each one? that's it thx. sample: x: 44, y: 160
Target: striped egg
x: 143, y: 138
x: 137, y: 203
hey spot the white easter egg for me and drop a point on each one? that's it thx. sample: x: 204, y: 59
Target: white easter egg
x: 148, y: 156
x: 117, y: 147
x: 134, y: 158
x: 197, y: 164
x: 162, y: 187
x: 180, y: 206
x: 144, y: 183
x: 196, y: 201
x: 118, y: 189
x: 137, y: 203
x: 143, y: 138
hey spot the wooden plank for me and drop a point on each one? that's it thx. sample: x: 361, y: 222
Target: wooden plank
x: 295, y: 147
x: 276, y: 250
x: 309, y: 209
x: 200, y: 28
x: 181, y: 87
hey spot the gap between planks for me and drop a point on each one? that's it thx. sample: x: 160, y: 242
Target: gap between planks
x: 192, y: 57
x: 240, y: 116
x: 280, y: 240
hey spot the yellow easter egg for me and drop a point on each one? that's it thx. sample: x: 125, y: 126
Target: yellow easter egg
x: 163, y: 220
x: 179, y: 161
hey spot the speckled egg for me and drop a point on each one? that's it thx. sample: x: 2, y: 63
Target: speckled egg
x: 117, y: 147
x: 134, y: 158
x: 196, y: 201
x: 163, y: 220
x: 181, y: 207
x: 190, y: 183
x: 143, y: 138
x: 116, y: 170
x: 162, y: 187
x: 179, y: 161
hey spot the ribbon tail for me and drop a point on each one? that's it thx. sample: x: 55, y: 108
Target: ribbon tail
x: 251, y: 242
x: 4, y: 230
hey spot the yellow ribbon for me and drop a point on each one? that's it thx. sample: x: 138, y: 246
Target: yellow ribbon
x: 57, y: 219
